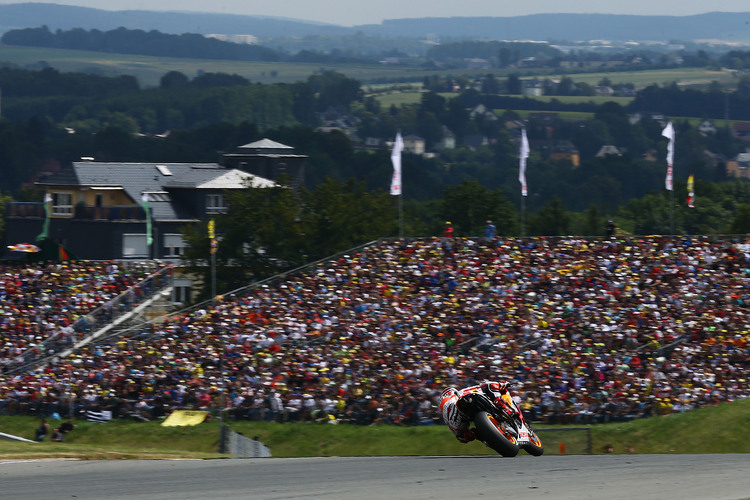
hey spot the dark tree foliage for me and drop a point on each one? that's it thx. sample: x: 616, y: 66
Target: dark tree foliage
x: 513, y: 84
x: 527, y: 103
x: 268, y: 231
x: 736, y: 59
x: 469, y: 205
x: 51, y: 82
x: 174, y: 80
x: 675, y: 101
x: 26, y: 148
x: 206, y: 80
x: 552, y: 220
x: 334, y: 90
x: 150, y: 43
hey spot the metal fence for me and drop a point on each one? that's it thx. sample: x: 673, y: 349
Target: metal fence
x: 239, y: 445
x: 566, y: 440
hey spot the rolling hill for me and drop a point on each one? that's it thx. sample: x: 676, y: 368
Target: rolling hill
x: 727, y: 26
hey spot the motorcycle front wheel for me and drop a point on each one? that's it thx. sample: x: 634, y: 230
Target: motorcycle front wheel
x: 534, y: 446
x: 493, y: 434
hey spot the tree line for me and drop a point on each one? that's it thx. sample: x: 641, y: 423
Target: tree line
x: 87, y: 103
x: 141, y: 42
x: 188, y: 45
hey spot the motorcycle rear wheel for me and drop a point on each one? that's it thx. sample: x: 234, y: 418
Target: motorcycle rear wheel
x: 491, y: 433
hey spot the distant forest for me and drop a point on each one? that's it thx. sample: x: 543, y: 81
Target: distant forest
x: 196, y: 46
x: 188, y: 45
x: 147, y: 43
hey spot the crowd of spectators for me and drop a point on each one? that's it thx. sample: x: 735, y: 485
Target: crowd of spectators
x: 49, y: 305
x: 587, y: 331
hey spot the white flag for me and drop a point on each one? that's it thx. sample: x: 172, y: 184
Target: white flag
x: 398, y: 146
x: 522, y: 167
x: 668, y: 132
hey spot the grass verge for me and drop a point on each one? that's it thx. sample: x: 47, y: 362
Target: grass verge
x: 718, y: 429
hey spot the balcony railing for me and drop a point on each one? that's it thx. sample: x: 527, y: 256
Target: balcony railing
x: 24, y: 209
x: 83, y: 212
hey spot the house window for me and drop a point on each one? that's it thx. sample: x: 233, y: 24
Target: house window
x: 182, y: 291
x: 215, y: 204
x: 134, y: 246
x: 174, y: 246
x: 62, y: 204
x: 181, y: 294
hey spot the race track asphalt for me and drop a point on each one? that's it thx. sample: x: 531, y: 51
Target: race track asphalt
x: 640, y: 477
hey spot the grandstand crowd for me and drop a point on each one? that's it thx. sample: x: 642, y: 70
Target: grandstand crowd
x: 587, y: 331
x: 57, y: 303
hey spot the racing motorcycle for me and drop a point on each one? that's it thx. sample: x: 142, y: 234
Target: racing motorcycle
x: 500, y: 425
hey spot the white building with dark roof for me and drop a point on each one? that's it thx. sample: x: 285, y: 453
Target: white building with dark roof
x: 97, y: 209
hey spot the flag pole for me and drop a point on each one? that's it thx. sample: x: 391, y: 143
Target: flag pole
x: 401, y: 215
x: 524, y: 154
x: 668, y: 132
x: 213, y: 247
x: 671, y: 213
x: 396, y: 184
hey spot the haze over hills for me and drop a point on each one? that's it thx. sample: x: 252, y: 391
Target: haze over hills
x: 730, y: 27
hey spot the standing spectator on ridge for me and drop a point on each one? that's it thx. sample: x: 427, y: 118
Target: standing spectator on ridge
x: 490, y: 231
x: 610, y: 228
x: 448, y: 230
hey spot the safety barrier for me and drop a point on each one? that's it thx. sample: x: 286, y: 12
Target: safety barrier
x: 234, y: 443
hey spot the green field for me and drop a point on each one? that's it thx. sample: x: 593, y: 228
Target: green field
x: 148, y: 70
x: 720, y: 429
x: 681, y: 76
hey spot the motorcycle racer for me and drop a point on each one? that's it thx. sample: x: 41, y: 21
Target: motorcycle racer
x: 457, y: 421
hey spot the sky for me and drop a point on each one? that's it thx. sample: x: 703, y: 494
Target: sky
x: 357, y: 12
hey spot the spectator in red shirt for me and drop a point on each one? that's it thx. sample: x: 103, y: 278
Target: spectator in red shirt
x: 448, y: 231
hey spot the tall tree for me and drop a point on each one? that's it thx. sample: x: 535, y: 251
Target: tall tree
x: 469, y: 204
x: 272, y: 230
x: 551, y: 220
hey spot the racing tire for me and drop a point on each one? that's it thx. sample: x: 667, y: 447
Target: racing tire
x: 534, y: 447
x: 492, y: 433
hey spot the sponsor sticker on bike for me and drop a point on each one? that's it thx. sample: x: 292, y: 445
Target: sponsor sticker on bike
x: 523, y: 437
